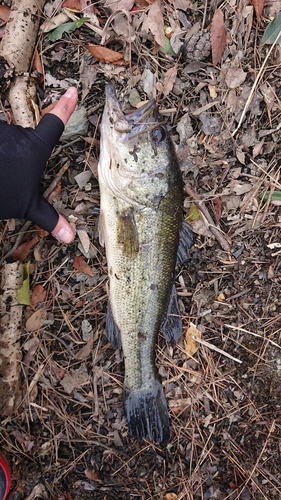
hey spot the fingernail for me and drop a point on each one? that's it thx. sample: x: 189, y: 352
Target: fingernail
x: 65, y: 235
x: 70, y: 92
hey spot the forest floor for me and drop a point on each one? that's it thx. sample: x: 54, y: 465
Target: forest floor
x: 68, y: 439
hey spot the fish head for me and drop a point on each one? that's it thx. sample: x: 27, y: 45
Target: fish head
x: 137, y: 160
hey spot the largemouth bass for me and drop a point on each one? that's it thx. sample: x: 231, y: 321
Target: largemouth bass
x: 140, y: 223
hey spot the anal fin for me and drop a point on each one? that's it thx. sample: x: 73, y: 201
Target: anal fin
x: 112, y: 330
x: 171, y: 326
x: 186, y: 241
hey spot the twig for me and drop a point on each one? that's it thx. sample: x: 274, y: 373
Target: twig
x: 211, y: 225
x: 214, y: 348
x: 254, y: 334
x: 257, y: 79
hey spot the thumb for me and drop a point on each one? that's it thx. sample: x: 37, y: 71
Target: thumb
x: 66, y: 105
x: 63, y: 230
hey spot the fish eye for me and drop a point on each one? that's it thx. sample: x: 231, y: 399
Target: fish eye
x: 158, y: 134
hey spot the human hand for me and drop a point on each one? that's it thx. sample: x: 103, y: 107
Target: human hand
x: 24, y: 153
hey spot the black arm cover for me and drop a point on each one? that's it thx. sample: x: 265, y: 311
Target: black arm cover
x: 24, y: 153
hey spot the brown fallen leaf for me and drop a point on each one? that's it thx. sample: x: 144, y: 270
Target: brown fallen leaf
x: 258, y: 7
x: 38, y: 296
x: 191, y: 346
x: 22, y: 252
x: 171, y: 496
x: 119, y: 5
x: 55, y: 194
x: 155, y: 22
x: 104, y: 54
x: 169, y: 80
x: 71, y: 4
x: 37, y: 65
x: 34, y: 322
x: 218, y: 36
x: 4, y: 14
x: 92, y: 475
x: 217, y: 210
x: 80, y: 264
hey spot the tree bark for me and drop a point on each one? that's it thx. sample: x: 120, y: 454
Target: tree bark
x: 17, y: 47
x: 10, y: 331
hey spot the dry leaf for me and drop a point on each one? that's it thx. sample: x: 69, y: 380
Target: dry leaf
x: 22, y: 252
x: 4, y: 14
x: 71, y: 4
x: 169, y: 80
x: 55, y: 194
x: 258, y: 6
x: 86, y: 350
x: 84, y: 239
x: 191, y: 345
x: 235, y: 77
x: 35, y: 322
x: 38, y: 296
x: 105, y: 55
x: 218, y: 37
x: 75, y: 379
x: 37, y: 65
x: 171, y: 496
x: 30, y: 346
x: 221, y: 297
x: 217, y: 210
x: 155, y: 22
x: 80, y: 264
x: 119, y: 4
x: 92, y: 475
x: 54, y: 22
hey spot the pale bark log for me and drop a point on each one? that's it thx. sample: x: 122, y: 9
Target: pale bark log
x: 10, y: 332
x: 17, y: 47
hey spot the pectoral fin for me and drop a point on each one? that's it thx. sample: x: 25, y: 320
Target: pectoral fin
x: 101, y: 228
x: 172, y: 324
x: 127, y: 233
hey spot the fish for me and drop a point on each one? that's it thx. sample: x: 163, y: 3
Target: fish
x: 141, y: 226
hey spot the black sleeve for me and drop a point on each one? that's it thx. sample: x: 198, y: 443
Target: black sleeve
x: 24, y: 153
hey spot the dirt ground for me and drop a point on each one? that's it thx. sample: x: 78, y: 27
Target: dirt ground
x: 68, y: 439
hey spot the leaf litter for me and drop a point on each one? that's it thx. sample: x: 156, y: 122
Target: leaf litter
x: 70, y: 434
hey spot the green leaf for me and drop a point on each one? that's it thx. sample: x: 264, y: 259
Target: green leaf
x: 273, y: 31
x: 167, y: 48
x: 57, y: 33
x: 194, y: 213
x: 23, y: 293
x: 275, y: 198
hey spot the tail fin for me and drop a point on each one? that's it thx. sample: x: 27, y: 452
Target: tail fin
x: 147, y: 413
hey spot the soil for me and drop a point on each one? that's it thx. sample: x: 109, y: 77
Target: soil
x: 68, y: 438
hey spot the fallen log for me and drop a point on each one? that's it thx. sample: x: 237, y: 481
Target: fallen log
x: 10, y: 331
x: 17, y: 47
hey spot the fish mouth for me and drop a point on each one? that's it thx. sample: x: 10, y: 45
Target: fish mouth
x: 136, y: 121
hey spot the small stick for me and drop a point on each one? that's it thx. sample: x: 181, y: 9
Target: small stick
x: 214, y: 348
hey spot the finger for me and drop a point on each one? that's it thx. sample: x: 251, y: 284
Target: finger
x: 63, y: 230
x: 66, y: 105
